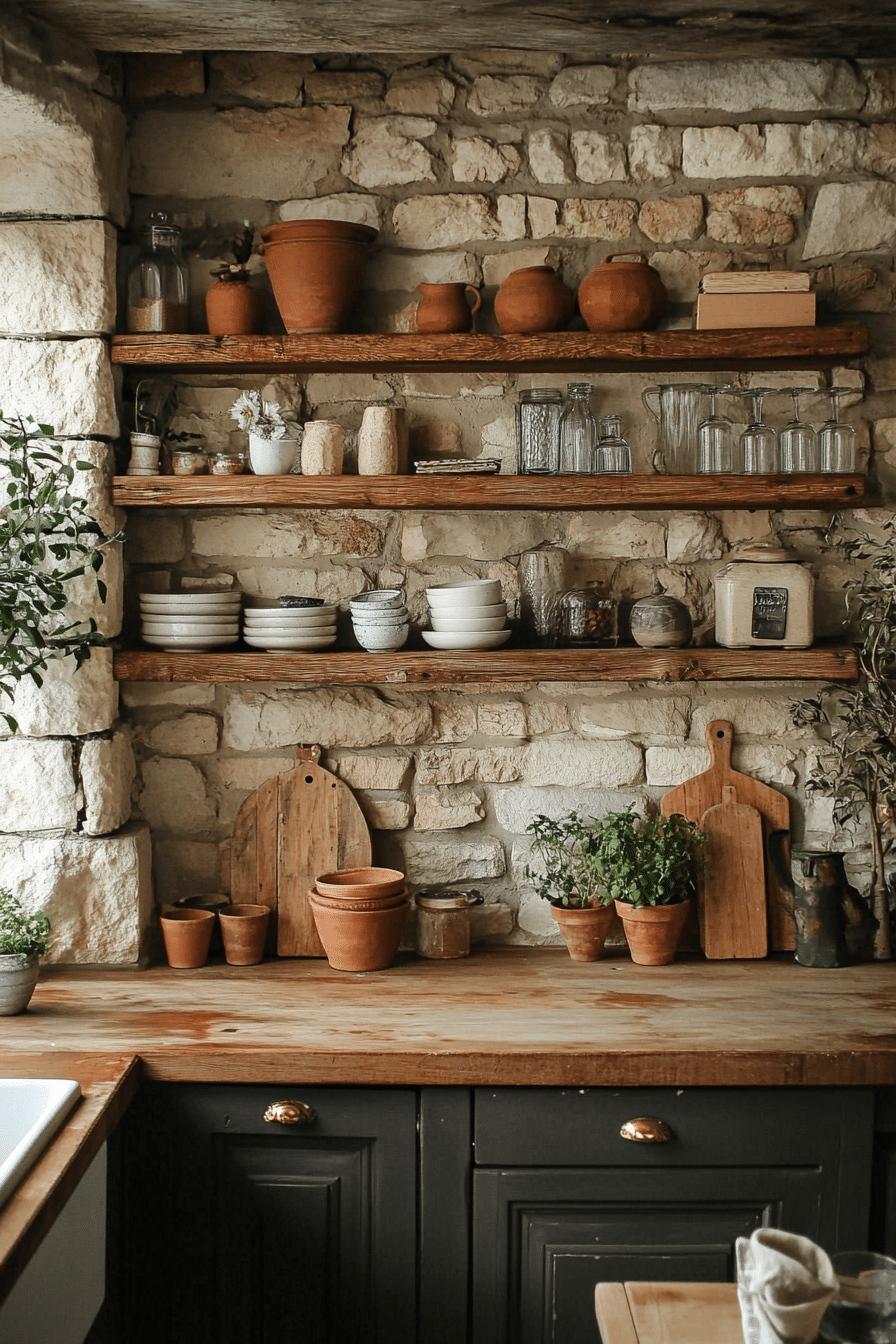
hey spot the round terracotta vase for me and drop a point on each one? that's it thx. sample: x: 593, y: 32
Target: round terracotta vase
x: 188, y: 936
x: 234, y: 308
x: 359, y: 940
x: 584, y: 931
x: 445, y: 308
x: 17, y: 981
x: 622, y: 295
x: 315, y: 267
x: 533, y: 299
x: 244, y: 930
x: 653, y: 931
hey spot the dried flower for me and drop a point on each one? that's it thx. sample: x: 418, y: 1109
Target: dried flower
x: 259, y: 417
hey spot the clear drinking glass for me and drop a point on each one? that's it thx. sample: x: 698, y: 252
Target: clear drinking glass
x: 715, y: 441
x: 798, y: 442
x: 578, y: 432
x: 759, y: 441
x: 837, y: 441
x: 614, y: 456
x: 538, y: 431
x: 863, y: 1310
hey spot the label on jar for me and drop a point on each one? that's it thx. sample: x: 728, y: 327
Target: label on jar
x: 769, y: 613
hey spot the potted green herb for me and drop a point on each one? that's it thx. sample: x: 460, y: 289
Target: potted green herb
x: 647, y: 867
x: 23, y: 939
x: 567, y: 878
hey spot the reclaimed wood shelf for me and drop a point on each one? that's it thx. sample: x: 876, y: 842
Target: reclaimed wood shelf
x: 411, y: 667
x: 594, y: 493
x: 550, y: 352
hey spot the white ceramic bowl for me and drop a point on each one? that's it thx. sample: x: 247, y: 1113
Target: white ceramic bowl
x: 451, y: 624
x: 379, y: 597
x: 186, y: 643
x: 230, y: 628
x: 177, y: 600
x: 382, y: 640
x: 305, y: 642
x: 259, y: 620
x: 195, y: 618
x: 472, y: 592
x: 481, y: 639
x: 381, y: 622
x: 289, y: 632
x: 460, y: 607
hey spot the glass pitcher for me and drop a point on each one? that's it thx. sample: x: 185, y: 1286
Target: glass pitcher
x: 680, y: 408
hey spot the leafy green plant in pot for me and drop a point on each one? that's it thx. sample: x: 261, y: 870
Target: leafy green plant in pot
x: 23, y: 939
x: 648, y: 868
x: 567, y: 879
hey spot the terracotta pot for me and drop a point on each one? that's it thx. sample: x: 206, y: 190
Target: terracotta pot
x: 234, y: 308
x: 360, y: 902
x: 188, y: 935
x: 315, y: 268
x: 244, y: 929
x: 359, y: 940
x: 17, y: 981
x: 653, y: 930
x: 622, y: 295
x: 364, y: 882
x: 584, y: 931
x: 533, y: 299
x: 445, y: 308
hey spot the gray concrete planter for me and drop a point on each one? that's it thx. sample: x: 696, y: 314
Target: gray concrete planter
x: 17, y: 981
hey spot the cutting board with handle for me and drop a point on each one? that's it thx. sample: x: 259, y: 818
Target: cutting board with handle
x: 292, y: 829
x: 697, y: 795
x: 733, y: 919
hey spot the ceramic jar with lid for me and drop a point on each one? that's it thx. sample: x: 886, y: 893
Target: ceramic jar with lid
x: 764, y: 599
x: 587, y: 617
x: 443, y: 924
x: 659, y: 621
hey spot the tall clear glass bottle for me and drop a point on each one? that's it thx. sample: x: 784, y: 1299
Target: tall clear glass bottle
x: 538, y: 431
x: 158, y: 282
x: 578, y: 432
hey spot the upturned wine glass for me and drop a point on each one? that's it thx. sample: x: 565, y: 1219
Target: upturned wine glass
x: 715, y: 441
x: 798, y: 442
x: 837, y: 441
x: 759, y: 441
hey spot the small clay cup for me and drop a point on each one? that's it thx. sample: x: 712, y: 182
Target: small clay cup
x: 244, y: 929
x: 188, y: 936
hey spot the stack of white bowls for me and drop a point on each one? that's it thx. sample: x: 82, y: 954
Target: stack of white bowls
x: 190, y: 622
x: 380, y: 620
x: 467, y: 615
x: 302, y: 628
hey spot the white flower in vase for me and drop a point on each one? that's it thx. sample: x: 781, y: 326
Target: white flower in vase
x: 259, y: 417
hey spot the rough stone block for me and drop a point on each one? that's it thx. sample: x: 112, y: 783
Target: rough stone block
x: 442, y: 860
x: 583, y: 86
x: 84, y: 600
x: 654, y: 152
x: 746, y: 85
x: 516, y: 806
x: 37, y: 786
x: 386, y: 814
x: 399, y: 270
x: 186, y: 868
x: 453, y: 719
x: 465, y: 765
x: 476, y: 159
x: 261, y: 76
x: 880, y: 80
x: 93, y: 486
x: 680, y: 272
x: 657, y: 719
x: 72, y: 701
x: 611, y: 221
x: 445, y: 809
x: 543, y: 215
x: 498, y: 94
x: 387, y: 151
x: 57, y: 277
x: 763, y: 216
x: 666, y: 767
x: 490, y: 920
x: 671, y: 220
x: 154, y: 540
x: 534, y: 918
x: 753, y: 716
x: 477, y: 536
x: 246, y: 773
x: 107, y: 770
x: 270, y: 155
x: 258, y: 720
x: 502, y: 60
x: 597, y: 764
x: 66, y: 384
x: 598, y: 157
x: 549, y: 157
x: 860, y: 213
x: 502, y: 718
x: 420, y: 93
x: 430, y: 222
x: 334, y: 585
x: 374, y: 772
x: 96, y: 892
x: 349, y: 205
x: 189, y: 735
x: 285, y: 535
x: 177, y: 74
x: 781, y: 149
x: 616, y: 536
x: 174, y: 797
x: 544, y: 717
x: 693, y: 536
x: 148, y: 694
x: 344, y: 86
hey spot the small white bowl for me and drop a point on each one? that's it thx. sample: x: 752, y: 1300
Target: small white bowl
x: 379, y: 597
x: 380, y: 622
x: 452, y: 624
x: 475, y: 639
x: 305, y: 642
x: 381, y: 641
x: 472, y: 592
x: 460, y: 604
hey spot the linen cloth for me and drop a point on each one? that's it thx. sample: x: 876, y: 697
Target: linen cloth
x: 784, y: 1285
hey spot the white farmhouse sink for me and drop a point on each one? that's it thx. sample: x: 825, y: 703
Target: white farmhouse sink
x: 31, y: 1111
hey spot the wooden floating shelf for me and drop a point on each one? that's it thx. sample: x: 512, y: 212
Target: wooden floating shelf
x: 551, y: 352
x: 596, y: 493
x: 412, y: 668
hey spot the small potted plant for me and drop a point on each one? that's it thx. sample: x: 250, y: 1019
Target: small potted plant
x: 232, y: 306
x: 570, y: 881
x: 23, y: 939
x: 273, y: 445
x: 648, y: 867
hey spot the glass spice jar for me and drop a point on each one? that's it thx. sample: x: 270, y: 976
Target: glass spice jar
x: 158, y: 282
x: 538, y: 431
x: 587, y: 617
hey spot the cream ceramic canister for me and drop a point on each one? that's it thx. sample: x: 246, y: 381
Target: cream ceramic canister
x: 378, y: 441
x: 764, y: 599
x: 322, y: 448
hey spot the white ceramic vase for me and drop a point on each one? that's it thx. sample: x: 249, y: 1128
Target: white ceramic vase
x: 272, y: 457
x: 17, y: 981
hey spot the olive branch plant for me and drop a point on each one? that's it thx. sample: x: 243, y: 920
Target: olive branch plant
x: 48, y: 537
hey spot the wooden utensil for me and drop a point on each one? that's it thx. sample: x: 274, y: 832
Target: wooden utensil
x: 696, y: 795
x: 733, y: 920
x: 291, y: 829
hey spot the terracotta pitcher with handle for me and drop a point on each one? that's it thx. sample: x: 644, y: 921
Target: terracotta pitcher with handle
x: 445, y: 308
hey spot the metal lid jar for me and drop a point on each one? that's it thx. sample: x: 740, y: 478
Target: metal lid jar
x: 764, y: 599
x: 158, y: 282
x: 443, y: 923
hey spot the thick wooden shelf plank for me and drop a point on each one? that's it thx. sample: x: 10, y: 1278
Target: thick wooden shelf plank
x: 490, y: 492
x: 759, y: 348
x: 416, y: 668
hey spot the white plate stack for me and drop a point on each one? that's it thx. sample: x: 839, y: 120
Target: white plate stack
x: 467, y: 615
x: 190, y: 622
x: 290, y: 628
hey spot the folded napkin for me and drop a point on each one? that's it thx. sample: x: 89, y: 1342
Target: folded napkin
x: 784, y: 1285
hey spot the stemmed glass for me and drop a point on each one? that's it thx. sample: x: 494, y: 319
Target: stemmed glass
x: 837, y: 441
x: 715, y: 441
x: 798, y: 442
x: 759, y: 441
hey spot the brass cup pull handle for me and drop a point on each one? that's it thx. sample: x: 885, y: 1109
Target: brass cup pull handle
x: 644, y: 1129
x: 290, y: 1113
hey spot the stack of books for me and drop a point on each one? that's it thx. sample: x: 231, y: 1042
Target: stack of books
x: 754, y: 299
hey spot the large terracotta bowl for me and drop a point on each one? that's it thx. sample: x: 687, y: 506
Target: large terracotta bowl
x: 361, y: 882
x: 359, y: 902
x: 359, y: 940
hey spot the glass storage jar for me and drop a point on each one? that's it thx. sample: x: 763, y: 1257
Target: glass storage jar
x: 764, y: 598
x: 578, y: 432
x: 538, y: 431
x: 158, y: 282
x: 614, y: 456
x: 587, y: 617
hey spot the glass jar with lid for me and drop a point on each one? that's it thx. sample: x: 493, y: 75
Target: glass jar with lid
x: 588, y: 617
x: 538, y: 430
x: 614, y: 456
x: 578, y: 432
x: 764, y: 599
x: 158, y: 282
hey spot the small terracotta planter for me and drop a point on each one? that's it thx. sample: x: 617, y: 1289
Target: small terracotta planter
x: 244, y: 930
x: 234, y: 308
x: 584, y: 931
x: 359, y: 940
x: 188, y: 936
x: 653, y: 931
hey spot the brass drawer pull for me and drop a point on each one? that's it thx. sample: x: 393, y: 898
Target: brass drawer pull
x: 290, y: 1113
x: 644, y: 1129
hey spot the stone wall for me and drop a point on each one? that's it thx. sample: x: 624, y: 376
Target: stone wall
x: 67, y: 843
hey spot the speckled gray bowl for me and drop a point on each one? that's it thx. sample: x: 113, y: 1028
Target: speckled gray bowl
x: 384, y: 639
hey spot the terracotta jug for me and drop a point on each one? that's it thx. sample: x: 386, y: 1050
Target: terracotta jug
x: 444, y: 307
x: 533, y: 299
x: 234, y: 308
x: 622, y: 295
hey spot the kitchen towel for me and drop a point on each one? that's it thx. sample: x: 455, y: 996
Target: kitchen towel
x: 784, y: 1285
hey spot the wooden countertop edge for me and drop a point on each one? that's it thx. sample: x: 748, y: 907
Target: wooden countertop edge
x: 108, y: 1084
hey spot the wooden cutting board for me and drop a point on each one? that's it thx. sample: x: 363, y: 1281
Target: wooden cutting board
x: 290, y: 830
x: 696, y: 795
x: 733, y: 920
